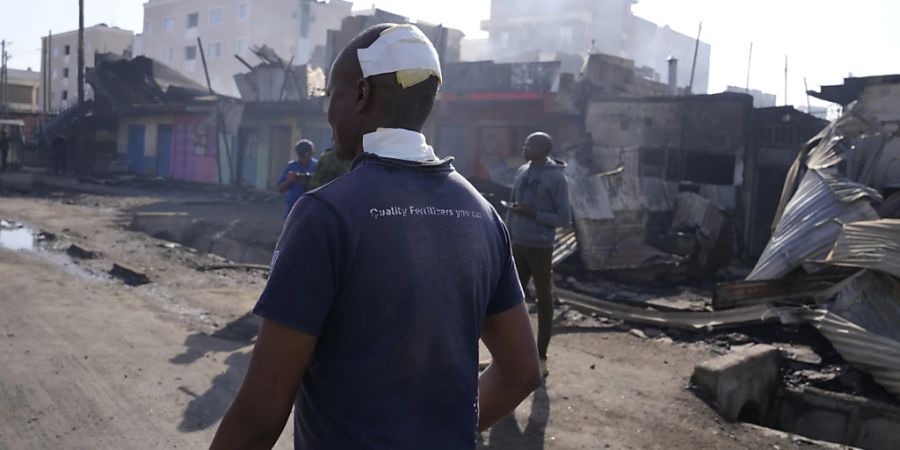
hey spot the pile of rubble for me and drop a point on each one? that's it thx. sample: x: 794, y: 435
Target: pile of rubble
x: 834, y: 256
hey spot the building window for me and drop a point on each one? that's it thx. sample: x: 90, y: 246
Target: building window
x: 55, y: 52
x: 215, y: 16
x: 148, y: 27
x: 504, y: 39
x: 190, y: 52
x: 168, y: 55
x: 241, y: 47
x: 709, y: 168
x: 214, y: 49
x: 67, y: 49
x: 65, y: 72
x: 193, y: 20
x: 243, y: 11
x: 566, y: 35
x: 169, y: 24
x: 65, y: 95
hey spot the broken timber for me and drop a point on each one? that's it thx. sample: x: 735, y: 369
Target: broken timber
x: 130, y: 276
x: 788, y: 290
x: 80, y: 252
x: 692, y: 321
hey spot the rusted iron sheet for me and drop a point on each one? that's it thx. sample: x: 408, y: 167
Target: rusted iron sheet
x: 801, y: 289
x: 693, y: 321
x: 872, y: 245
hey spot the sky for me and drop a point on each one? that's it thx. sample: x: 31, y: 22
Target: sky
x: 824, y: 40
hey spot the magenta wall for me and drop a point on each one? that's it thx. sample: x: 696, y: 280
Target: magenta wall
x: 194, y: 150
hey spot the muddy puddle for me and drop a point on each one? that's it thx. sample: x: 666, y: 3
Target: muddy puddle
x: 15, y: 236
x: 17, y: 239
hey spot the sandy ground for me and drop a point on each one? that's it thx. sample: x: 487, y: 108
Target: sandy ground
x: 87, y: 362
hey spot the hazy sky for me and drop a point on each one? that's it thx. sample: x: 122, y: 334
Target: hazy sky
x: 825, y: 40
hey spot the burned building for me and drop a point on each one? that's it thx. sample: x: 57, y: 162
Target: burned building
x: 779, y: 133
x: 282, y: 103
x: 670, y: 177
x: 486, y: 110
x: 168, y: 125
x: 648, y: 158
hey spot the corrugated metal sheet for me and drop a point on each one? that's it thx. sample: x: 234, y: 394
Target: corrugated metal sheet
x: 862, y: 324
x: 696, y: 212
x: 724, y: 197
x: 683, y: 320
x: 618, y: 244
x: 812, y: 222
x: 851, y: 139
x: 872, y: 245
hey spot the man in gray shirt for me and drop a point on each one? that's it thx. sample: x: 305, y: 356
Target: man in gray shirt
x: 540, y: 203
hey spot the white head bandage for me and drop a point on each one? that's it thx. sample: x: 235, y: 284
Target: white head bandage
x: 403, y: 49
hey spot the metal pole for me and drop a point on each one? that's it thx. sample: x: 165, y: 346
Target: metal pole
x: 80, y: 52
x: 690, y: 89
x: 806, y: 88
x: 49, y: 71
x: 79, y: 125
x: 205, y: 69
x: 749, y: 61
x: 3, y: 106
x: 785, y: 81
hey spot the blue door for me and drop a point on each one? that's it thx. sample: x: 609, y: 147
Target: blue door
x: 164, y: 151
x: 136, y: 148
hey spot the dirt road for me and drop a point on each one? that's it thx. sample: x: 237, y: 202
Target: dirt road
x: 87, y: 362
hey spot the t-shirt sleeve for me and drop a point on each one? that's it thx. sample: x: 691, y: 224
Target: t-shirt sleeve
x: 509, y: 291
x: 284, y: 174
x: 305, y: 269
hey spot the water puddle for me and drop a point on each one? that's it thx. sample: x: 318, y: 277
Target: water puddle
x: 16, y: 238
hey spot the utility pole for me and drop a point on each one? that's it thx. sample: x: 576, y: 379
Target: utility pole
x: 806, y: 88
x: 80, y: 52
x: 749, y: 62
x: 48, y: 96
x: 694, y: 64
x: 785, y: 80
x: 4, y: 78
x: 80, y: 162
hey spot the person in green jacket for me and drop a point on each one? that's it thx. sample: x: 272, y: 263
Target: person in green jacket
x: 329, y: 168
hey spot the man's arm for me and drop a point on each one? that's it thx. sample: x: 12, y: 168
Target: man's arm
x: 286, y: 181
x: 257, y: 416
x: 514, y: 372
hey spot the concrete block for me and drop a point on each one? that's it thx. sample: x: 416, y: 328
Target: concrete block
x: 130, y: 276
x: 739, y: 380
x: 170, y: 226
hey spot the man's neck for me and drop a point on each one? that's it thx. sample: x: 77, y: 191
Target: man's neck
x: 538, y: 162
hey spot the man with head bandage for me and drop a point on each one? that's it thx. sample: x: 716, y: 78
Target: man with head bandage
x: 384, y: 280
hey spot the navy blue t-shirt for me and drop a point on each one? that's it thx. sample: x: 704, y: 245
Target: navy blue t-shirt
x: 394, y: 267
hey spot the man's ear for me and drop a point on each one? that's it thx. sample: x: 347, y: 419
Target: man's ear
x: 363, y: 95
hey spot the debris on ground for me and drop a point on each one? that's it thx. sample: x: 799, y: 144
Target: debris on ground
x: 129, y: 275
x: 81, y: 252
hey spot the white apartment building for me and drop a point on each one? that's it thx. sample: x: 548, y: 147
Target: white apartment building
x: 293, y: 28
x: 59, y: 64
x: 22, y: 91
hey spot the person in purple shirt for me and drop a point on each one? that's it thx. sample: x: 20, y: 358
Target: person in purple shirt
x: 295, y: 178
x: 382, y: 284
